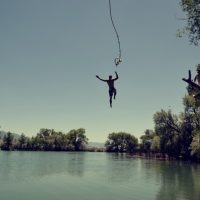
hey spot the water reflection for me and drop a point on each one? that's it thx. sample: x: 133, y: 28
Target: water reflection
x: 29, y: 165
x: 179, y: 181
x: 76, y: 164
x: 99, y: 175
x: 120, y: 167
x: 171, y: 180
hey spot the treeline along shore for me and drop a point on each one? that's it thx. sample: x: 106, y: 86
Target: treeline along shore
x: 173, y: 138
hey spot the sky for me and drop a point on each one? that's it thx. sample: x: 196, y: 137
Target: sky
x: 51, y: 51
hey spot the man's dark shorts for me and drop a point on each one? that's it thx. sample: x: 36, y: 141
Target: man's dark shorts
x: 112, y: 91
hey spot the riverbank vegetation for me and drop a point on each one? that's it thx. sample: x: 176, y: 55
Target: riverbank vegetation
x: 47, y: 140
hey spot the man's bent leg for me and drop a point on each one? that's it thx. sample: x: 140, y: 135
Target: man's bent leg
x: 110, y: 94
x: 115, y: 92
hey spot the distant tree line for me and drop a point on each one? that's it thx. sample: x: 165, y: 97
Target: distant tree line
x: 47, y: 140
x: 174, y: 137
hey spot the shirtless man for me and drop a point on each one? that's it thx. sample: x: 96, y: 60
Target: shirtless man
x: 197, y: 77
x: 111, y: 86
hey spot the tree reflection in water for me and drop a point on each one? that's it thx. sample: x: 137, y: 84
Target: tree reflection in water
x: 179, y: 181
x: 18, y: 166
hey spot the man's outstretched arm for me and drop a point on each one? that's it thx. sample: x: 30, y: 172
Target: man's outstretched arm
x: 195, y: 78
x: 116, y: 76
x: 100, y: 78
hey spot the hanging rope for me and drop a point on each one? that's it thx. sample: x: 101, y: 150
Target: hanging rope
x: 117, y: 60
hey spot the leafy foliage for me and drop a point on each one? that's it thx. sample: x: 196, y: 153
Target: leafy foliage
x: 167, y: 126
x: 48, y: 140
x: 121, y: 142
x: 195, y: 145
x: 77, y: 139
x: 8, y: 141
x: 146, y: 141
x: 192, y: 29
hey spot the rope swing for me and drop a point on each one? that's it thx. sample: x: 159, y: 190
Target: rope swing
x: 117, y: 60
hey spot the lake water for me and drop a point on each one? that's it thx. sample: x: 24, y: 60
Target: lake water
x: 94, y: 176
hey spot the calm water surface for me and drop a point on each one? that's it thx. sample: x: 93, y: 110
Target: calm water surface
x: 94, y: 176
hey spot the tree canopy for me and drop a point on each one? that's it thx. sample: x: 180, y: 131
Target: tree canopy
x: 121, y: 142
x: 47, y: 140
x: 192, y: 10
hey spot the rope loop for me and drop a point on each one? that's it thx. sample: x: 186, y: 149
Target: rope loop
x: 116, y: 60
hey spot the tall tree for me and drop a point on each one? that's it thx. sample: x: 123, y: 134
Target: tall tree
x: 167, y: 126
x: 190, y: 121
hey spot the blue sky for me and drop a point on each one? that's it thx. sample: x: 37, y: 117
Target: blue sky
x: 51, y: 51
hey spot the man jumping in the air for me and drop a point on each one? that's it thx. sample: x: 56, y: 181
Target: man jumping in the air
x: 111, y: 86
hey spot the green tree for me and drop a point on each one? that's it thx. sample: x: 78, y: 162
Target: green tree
x: 121, y: 142
x: 146, y: 141
x: 44, y: 140
x: 195, y: 145
x: 77, y: 140
x: 22, y: 142
x: 190, y: 120
x: 167, y: 126
x: 8, y: 142
x: 192, y: 28
x: 155, y: 144
x: 61, y: 142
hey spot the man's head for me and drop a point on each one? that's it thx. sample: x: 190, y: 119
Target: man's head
x: 110, y: 77
x: 198, y: 68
